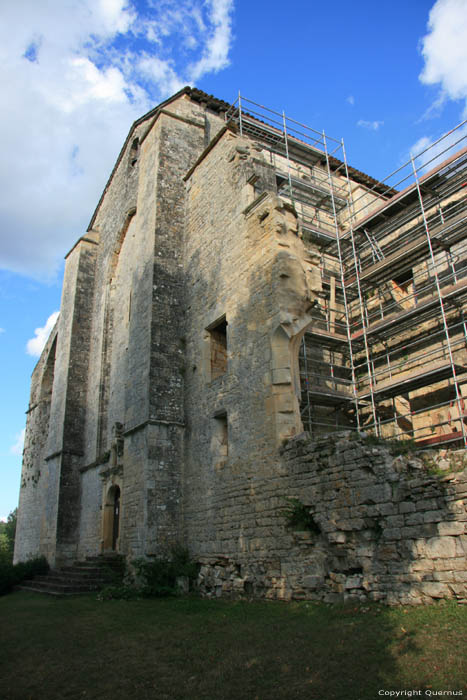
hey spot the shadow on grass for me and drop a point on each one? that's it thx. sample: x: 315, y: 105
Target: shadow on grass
x: 217, y: 650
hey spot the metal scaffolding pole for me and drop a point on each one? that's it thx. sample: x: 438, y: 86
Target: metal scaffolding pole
x: 346, y: 307
x: 240, y: 113
x: 360, y: 296
x: 288, y: 159
x: 441, y: 303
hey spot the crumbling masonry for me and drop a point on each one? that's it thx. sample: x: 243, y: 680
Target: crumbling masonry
x: 240, y: 284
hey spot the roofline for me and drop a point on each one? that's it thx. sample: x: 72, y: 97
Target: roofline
x: 216, y: 105
x: 196, y: 95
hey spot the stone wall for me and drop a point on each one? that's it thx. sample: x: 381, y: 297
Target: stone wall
x: 377, y: 527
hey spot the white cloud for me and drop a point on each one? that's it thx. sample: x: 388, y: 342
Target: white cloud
x: 444, y: 48
x: 215, y: 54
x: 2, y: 330
x: 428, y: 152
x: 17, y: 447
x: 372, y: 126
x: 35, y: 345
x: 77, y: 74
x: 351, y: 100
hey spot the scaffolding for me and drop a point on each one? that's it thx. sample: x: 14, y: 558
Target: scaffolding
x: 385, y: 351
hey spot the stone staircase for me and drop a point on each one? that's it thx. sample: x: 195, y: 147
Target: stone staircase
x: 82, y: 577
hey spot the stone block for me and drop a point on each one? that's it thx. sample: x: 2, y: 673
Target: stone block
x: 313, y: 582
x: 392, y: 533
x: 451, y: 528
x: 440, y: 547
x: 406, y: 507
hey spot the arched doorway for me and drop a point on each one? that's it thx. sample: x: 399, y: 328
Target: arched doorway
x: 112, y: 519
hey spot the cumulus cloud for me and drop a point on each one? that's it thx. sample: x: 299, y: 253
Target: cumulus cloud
x: 351, y: 100
x: 444, y: 48
x: 75, y: 75
x: 17, y: 447
x: 371, y: 125
x: 216, y: 51
x: 35, y: 345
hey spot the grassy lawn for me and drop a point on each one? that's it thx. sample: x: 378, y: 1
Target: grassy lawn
x: 189, y: 648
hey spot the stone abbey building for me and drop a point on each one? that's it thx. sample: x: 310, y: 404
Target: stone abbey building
x: 241, y: 294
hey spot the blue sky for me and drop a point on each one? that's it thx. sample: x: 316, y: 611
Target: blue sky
x: 76, y: 73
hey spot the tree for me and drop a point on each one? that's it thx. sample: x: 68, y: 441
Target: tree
x: 7, y: 535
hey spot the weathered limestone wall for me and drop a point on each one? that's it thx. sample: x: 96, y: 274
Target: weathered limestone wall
x: 381, y: 528
x: 57, y: 482
x: 243, y: 261
x: 137, y: 366
x: 33, y: 495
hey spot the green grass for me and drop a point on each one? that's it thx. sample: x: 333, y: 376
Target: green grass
x: 190, y: 648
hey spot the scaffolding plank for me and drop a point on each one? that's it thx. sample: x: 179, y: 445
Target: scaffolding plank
x: 327, y: 397
x: 438, y: 439
x: 322, y: 237
x: 413, y: 380
x: 449, y: 232
x: 452, y: 230
x: 326, y: 336
x: 448, y: 294
x: 380, y: 270
x: 307, y: 192
x: 409, y: 194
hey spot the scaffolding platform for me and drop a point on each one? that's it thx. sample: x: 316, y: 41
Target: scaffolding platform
x: 418, y: 311
x: 308, y: 192
x: 432, y: 182
x: 413, y: 380
x: 326, y: 337
x: 443, y: 235
x: 454, y: 436
x: 316, y: 234
x: 328, y: 397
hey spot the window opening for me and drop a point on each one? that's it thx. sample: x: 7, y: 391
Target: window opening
x: 218, y: 338
x: 221, y: 435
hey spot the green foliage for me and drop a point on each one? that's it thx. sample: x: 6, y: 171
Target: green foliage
x: 7, y: 536
x: 154, y: 578
x: 396, y: 447
x: 298, y: 516
x: 13, y: 574
x: 159, y: 576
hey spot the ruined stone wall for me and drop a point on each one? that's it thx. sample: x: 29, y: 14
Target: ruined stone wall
x: 373, y: 527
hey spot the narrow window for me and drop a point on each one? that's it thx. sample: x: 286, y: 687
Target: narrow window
x: 221, y: 435
x: 218, y: 343
x: 134, y: 152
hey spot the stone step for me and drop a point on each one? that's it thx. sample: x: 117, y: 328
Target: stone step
x: 59, y: 587
x: 82, y: 577
x: 106, y: 557
x: 86, y: 571
x: 33, y: 589
x: 79, y: 580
